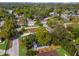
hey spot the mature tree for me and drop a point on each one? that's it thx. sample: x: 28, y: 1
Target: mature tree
x: 31, y: 52
x: 2, y: 12
x: 36, y: 10
x: 52, y: 22
x: 9, y: 27
x: 61, y: 36
x: 8, y: 30
x: 74, y: 29
x: 59, y: 11
x: 38, y: 23
x: 59, y: 33
x: 76, y: 44
x: 28, y: 41
x: 18, y: 11
x: 77, y: 40
x: 42, y: 36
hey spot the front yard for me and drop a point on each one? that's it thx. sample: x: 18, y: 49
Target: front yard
x: 3, y: 44
x: 22, y: 48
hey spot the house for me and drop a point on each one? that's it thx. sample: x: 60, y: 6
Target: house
x: 65, y: 17
x: 2, y: 23
x: 53, y: 14
x: 21, y: 21
x: 10, y: 11
x: 19, y: 29
x: 35, y: 45
x: 77, y: 11
x: 30, y: 22
x: 46, y: 51
x: 18, y: 15
x: 43, y: 21
x: 41, y: 47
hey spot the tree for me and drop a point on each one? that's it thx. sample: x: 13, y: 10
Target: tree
x: 42, y: 36
x: 28, y: 41
x: 61, y: 36
x: 74, y: 29
x: 8, y: 30
x: 77, y: 40
x: 31, y: 52
x: 38, y: 10
x: 9, y: 27
x: 52, y: 22
x: 2, y: 12
x: 76, y: 43
x: 38, y: 23
x: 19, y: 11
x: 59, y: 33
x: 59, y: 10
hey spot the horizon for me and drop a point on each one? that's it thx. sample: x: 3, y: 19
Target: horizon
x: 45, y: 2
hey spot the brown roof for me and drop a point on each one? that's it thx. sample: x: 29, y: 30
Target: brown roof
x: 21, y: 21
x: 49, y: 53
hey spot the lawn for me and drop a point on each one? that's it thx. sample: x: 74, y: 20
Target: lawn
x: 62, y: 52
x: 22, y: 49
x: 3, y: 44
x: 5, y: 55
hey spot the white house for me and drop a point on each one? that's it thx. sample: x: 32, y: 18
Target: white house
x: 41, y: 47
x: 65, y: 17
x: 31, y: 22
x: 53, y: 14
x: 10, y: 11
x: 1, y: 23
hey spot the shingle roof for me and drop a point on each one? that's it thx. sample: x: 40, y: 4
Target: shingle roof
x: 49, y: 53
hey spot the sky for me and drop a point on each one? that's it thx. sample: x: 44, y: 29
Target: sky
x: 64, y: 1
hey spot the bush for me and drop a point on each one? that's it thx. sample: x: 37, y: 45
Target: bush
x: 31, y: 52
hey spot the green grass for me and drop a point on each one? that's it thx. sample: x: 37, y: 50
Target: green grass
x: 62, y: 52
x: 22, y: 50
x: 5, y: 55
x: 3, y: 44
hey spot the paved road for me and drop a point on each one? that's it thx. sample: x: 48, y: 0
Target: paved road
x: 66, y: 24
x: 14, y: 51
x: 31, y: 27
x: 26, y: 34
x: 2, y: 52
x: 47, y: 27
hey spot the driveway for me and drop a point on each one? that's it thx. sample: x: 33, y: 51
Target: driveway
x: 2, y: 52
x: 14, y: 51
